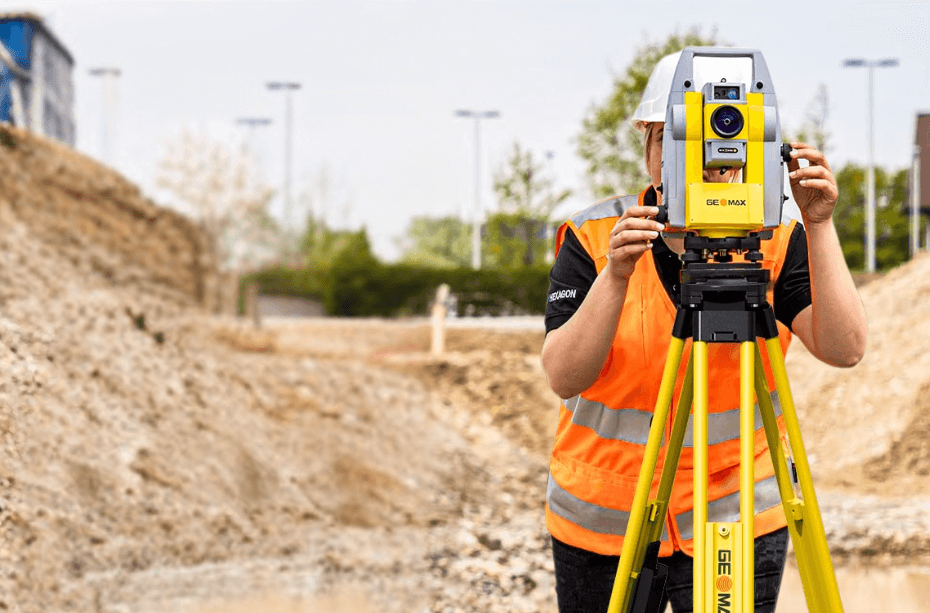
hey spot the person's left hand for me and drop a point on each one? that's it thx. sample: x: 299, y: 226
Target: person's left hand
x: 814, y: 187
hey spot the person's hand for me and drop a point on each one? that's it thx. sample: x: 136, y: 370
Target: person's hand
x: 630, y: 238
x: 814, y: 187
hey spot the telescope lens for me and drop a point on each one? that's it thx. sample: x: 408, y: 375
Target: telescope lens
x: 726, y: 121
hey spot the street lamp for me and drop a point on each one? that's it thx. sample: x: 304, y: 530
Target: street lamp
x: 251, y: 123
x: 287, y: 87
x: 915, y: 201
x: 476, y: 222
x: 870, y: 204
x: 108, y: 125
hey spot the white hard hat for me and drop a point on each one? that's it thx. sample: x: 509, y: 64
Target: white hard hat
x: 705, y: 69
x: 655, y: 97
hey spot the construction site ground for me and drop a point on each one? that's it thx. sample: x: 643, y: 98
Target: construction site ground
x: 155, y: 458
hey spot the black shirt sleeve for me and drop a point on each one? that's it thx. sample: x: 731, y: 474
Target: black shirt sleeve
x: 793, y: 289
x: 572, y: 275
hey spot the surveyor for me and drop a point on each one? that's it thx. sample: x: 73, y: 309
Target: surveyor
x: 612, y: 302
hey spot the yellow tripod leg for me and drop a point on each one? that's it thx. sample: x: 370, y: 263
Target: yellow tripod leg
x: 747, y: 475
x: 701, y: 576
x: 803, y: 514
x: 724, y: 569
x: 676, y: 441
x: 641, y: 518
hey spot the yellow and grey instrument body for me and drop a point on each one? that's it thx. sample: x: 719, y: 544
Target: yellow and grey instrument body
x: 698, y: 136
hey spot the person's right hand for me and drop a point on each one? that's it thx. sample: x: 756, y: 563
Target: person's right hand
x: 630, y: 238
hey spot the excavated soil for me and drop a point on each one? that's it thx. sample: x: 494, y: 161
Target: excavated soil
x: 153, y: 457
x: 157, y: 459
x: 867, y: 427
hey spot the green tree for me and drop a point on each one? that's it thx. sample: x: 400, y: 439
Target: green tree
x: 891, y: 216
x: 892, y: 222
x: 515, y: 240
x: 610, y: 146
x: 522, y: 186
x: 320, y: 244
x: 439, y: 242
x: 849, y: 214
x: 353, y: 287
x: 325, y: 200
x: 518, y: 235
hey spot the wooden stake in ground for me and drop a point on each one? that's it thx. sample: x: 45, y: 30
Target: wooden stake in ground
x: 250, y: 303
x: 439, y: 320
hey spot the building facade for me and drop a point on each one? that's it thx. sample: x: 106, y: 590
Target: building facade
x: 36, y: 84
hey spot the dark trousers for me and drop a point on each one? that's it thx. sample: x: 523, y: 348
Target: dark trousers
x: 584, y: 580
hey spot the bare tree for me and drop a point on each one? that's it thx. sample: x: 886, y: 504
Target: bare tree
x: 223, y: 189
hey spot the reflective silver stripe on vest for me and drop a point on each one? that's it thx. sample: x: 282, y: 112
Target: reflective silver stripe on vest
x: 601, y: 210
x: 726, y: 509
x: 587, y: 515
x: 627, y: 202
x: 723, y: 427
x: 632, y: 425
x: 614, y: 207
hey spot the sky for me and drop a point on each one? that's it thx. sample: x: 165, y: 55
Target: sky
x: 380, y: 82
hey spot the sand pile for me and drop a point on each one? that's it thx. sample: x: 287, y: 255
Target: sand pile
x: 867, y: 427
x: 98, y: 221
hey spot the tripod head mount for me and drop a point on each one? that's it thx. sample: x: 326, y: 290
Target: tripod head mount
x: 700, y: 249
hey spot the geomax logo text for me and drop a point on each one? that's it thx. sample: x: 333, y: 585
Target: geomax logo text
x: 725, y: 202
x: 724, y: 581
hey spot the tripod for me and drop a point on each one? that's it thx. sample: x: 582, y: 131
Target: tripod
x: 723, y: 302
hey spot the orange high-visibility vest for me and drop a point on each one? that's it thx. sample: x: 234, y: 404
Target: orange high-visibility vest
x: 602, y: 432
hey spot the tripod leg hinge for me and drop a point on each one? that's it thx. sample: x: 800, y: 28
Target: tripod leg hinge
x: 654, y: 509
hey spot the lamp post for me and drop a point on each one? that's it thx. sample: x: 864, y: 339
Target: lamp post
x: 287, y: 87
x: 476, y: 222
x: 915, y: 201
x: 870, y: 177
x: 251, y: 123
x: 550, y: 230
x: 108, y: 125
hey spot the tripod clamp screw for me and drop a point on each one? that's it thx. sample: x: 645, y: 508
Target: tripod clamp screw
x: 724, y: 531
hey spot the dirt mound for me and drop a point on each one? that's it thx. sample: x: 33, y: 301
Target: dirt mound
x: 498, y: 376
x: 909, y: 455
x: 99, y: 221
x: 866, y: 427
